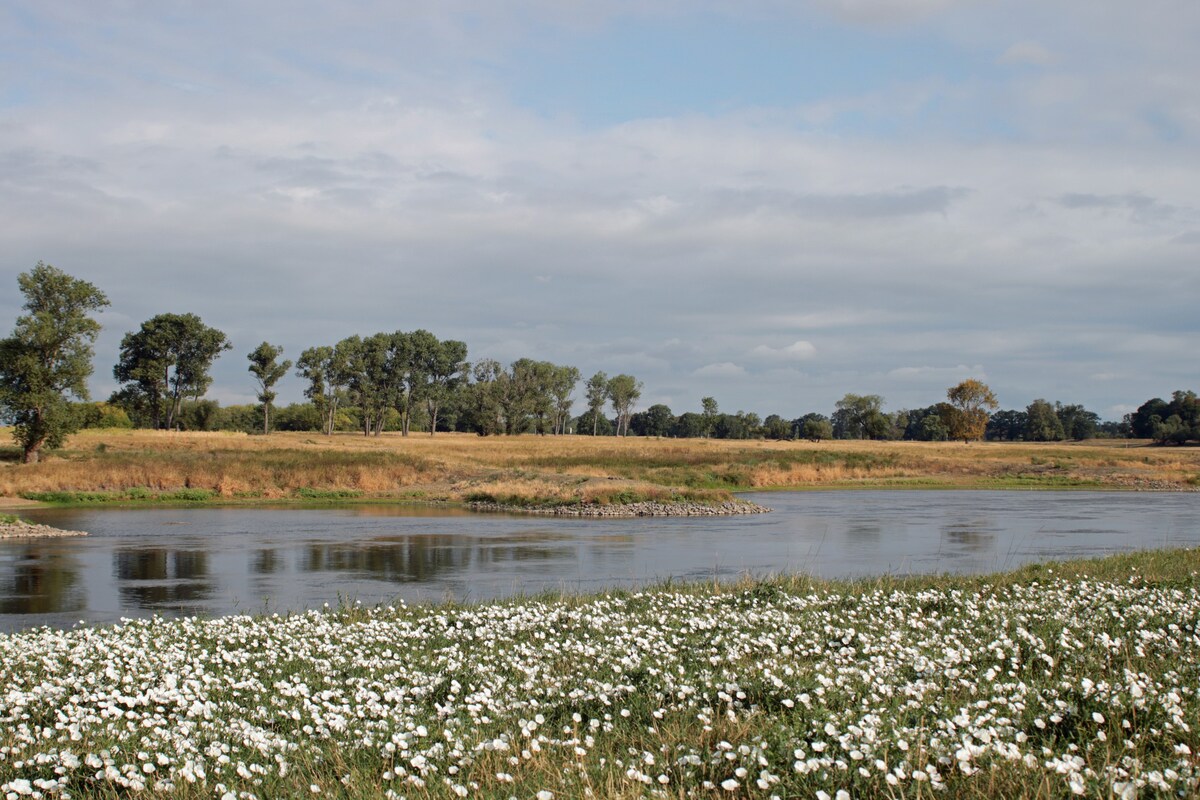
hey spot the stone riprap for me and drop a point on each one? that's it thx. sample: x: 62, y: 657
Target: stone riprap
x: 643, y: 509
x: 21, y: 529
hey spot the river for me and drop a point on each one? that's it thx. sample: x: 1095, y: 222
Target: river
x: 213, y: 561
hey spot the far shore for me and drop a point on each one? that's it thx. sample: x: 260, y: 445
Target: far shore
x: 577, y: 474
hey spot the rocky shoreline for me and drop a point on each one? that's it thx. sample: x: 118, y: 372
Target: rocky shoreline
x: 643, y: 509
x: 23, y: 530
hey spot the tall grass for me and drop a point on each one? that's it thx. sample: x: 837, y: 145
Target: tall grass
x: 558, y: 468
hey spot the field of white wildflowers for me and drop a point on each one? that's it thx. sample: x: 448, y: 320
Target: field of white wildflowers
x: 1044, y: 682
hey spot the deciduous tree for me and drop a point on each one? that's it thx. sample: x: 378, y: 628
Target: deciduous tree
x: 441, y: 366
x: 623, y: 392
x: 709, y: 410
x: 267, y: 371
x: 971, y: 400
x: 597, y: 396
x: 1042, y: 423
x: 325, y: 368
x: 860, y: 416
x: 48, y: 357
x: 166, y: 361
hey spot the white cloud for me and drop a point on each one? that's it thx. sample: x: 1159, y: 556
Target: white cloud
x: 796, y: 351
x: 383, y: 185
x: 937, y: 373
x: 1028, y: 52
x: 724, y: 369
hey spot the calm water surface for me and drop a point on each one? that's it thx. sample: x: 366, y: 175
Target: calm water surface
x: 230, y: 560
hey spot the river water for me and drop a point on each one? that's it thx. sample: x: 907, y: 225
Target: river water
x: 213, y: 561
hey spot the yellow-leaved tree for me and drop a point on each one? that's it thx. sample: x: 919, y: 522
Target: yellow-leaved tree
x: 967, y: 415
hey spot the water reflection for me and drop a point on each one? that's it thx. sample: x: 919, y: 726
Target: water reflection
x: 978, y: 535
x: 40, y: 578
x: 155, y: 579
x: 223, y: 560
x: 428, y: 557
x: 266, y: 562
x: 864, y: 532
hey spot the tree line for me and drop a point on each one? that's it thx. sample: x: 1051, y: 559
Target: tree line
x: 412, y: 381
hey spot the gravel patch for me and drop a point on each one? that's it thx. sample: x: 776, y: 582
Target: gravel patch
x: 24, y: 530
x: 645, y: 509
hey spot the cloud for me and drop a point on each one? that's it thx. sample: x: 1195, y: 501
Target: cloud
x: 1028, y: 52
x: 724, y: 369
x: 1141, y: 207
x: 869, y: 205
x: 928, y: 207
x: 796, y: 351
x: 937, y: 373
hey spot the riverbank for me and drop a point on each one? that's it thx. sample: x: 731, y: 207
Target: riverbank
x: 1056, y: 679
x: 138, y: 467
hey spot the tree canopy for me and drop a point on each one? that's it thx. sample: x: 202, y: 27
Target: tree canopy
x: 166, y: 361
x: 48, y: 357
x: 970, y: 402
x: 267, y: 371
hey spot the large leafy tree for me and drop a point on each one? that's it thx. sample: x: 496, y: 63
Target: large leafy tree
x: 370, y: 378
x: 597, y: 396
x: 1008, y: 425
x: 623, y: 392
x: 267, y: 370
x: 442, y: 366
x: 1078, y: 423
x: 1179, y: 420
x: 970, y: 402
x: 48, y: 357
x: 166, y: 361
x: 1041, y: 423
x: 815, y: 427
x: 326, y: 370
x: 860, y: 417
x: 710, y: 409
x: 562, y: 386
x: 480, y: 407
x: 657, y: 420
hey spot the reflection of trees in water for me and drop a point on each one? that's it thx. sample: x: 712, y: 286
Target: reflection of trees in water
x: 864, y: 532
x: 974, y: 535
x: 154, y: 578
x: 422, y: 558
x: 266, y: 562
x: 41, y: 580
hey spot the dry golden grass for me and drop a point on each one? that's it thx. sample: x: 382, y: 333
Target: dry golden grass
x: 569, y: 468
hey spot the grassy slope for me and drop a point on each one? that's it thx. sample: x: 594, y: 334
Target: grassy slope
x: 189, y: 467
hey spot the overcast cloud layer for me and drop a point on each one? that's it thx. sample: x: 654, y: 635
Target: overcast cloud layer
x: 771, y: 203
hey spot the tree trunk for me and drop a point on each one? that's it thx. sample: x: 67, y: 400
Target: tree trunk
x: 266, y: 418
x: 32, y: 453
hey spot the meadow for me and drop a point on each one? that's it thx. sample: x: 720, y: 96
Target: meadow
x: 136, y: 466
x: 1057, y: 680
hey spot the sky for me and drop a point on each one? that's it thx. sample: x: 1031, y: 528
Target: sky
x: 770, y: 203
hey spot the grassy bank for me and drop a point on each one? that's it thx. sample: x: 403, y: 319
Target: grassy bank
x: 1080, y: 677
x: 149, y: 466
